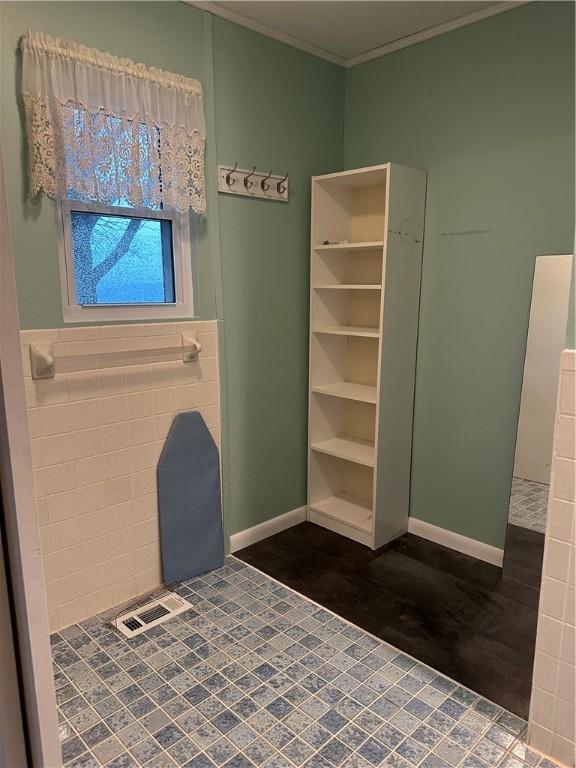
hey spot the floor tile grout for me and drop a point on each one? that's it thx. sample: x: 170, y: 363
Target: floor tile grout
x: 528, y: 504
x: 208, y: 596
x: 365, y: 631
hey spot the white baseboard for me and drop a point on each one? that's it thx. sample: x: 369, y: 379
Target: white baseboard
x: 456, y: 541
x: 425, y: 530
x: 268, y: 528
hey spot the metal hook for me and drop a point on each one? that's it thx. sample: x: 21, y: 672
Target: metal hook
x: 281, y: 187
x: 229, y: 180
x: 249, y: 184
x: 265, y: 187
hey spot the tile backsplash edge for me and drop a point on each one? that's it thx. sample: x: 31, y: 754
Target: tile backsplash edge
x: 96, y: 430
x: 552, y: 711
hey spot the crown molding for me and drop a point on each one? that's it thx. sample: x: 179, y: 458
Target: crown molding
x: 212, y: 6
x: 215, y: 8
x: 430, y: 32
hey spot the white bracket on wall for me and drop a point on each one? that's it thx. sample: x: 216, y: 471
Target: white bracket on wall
x: 43, y: 362
x: 191, y: 348
x: 252, y: 183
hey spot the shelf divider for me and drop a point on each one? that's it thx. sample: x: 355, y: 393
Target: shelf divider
x: 349, y: 330
x: 370, y: 245
x: 348, y: 391
x: 348, y: 287
x: 347, y: 448
x: 346, y: 510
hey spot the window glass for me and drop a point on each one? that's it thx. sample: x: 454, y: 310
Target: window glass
x: 122, y: 259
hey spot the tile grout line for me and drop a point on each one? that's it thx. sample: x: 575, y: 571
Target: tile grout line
x: 379, y: 639
x: 214, y: 607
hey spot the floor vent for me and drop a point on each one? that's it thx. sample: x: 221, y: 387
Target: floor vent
x: 150, y: 615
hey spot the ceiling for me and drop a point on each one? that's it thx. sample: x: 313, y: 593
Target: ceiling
x: 348, y: 33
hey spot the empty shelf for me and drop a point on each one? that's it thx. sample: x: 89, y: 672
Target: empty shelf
x: 346, y: 511
x: 348, y: 287
x: 359, y: 451
x: 349, y: 330
x: 348, y: 391
x: 367, y: 246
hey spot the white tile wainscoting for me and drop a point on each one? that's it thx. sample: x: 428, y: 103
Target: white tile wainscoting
x: 97, y: 429
x: 552, y: 713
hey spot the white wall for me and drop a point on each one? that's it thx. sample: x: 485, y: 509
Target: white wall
x: 552, y: 713
x: 546, y: 339
x: 96, y: 438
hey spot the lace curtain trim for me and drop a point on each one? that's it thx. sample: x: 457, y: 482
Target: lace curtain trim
x: 111, y: 159
x: 106, y: 130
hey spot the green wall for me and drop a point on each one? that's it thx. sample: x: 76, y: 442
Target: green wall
x: 276, y: 107
x: 168, y: 35
x: 488, y: 112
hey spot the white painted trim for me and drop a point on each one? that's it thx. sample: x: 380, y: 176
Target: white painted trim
x: 72, y: 312
x: 439, y: 29
x: 456, y: 541
x: 20, y: 523
x: 425, y: 530
x: 266, y: 529
x: 12, y: 745
x: 244, y: 21
x: 404, y: 42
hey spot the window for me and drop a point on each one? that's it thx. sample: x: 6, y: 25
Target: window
x: 124, y: 263
x: 120, y: 261
x: 120, y: 147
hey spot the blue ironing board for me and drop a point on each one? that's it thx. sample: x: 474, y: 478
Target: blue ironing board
x: 189, y: 506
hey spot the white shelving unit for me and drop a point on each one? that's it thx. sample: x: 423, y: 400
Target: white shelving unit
x: 367, y: 229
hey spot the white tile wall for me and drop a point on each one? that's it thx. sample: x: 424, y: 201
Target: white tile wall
x: 97, y: 429
x: 552, y: 713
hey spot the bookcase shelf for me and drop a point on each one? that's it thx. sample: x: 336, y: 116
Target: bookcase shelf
x: 364, y: 297
x: 359, y: 451
x: 339, y: 247
x: 349, y: 330
x: 346, y: 510
x: 346, y: 287
x: 347, y: 390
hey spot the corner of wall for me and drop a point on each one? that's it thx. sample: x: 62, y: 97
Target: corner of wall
x: 552, y: 713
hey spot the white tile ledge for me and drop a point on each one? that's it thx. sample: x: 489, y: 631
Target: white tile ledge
x: 115, y: 331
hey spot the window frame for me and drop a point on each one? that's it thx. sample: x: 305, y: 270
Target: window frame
x: 73, y: 312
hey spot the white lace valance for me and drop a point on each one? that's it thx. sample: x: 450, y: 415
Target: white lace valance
x: 104, y: 129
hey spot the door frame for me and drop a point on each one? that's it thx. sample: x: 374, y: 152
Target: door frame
x: 12, y: 739
x: 21, y: 534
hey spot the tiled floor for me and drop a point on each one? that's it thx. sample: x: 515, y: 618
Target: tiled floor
x: 528, y: 504
x: 459, y: 615
x: 254, y: 674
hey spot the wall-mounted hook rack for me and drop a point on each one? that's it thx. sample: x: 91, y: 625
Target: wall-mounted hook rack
x: 282, y: 185
x: 262, y: 184
x: 230, y: 180
x: 247, y: 183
